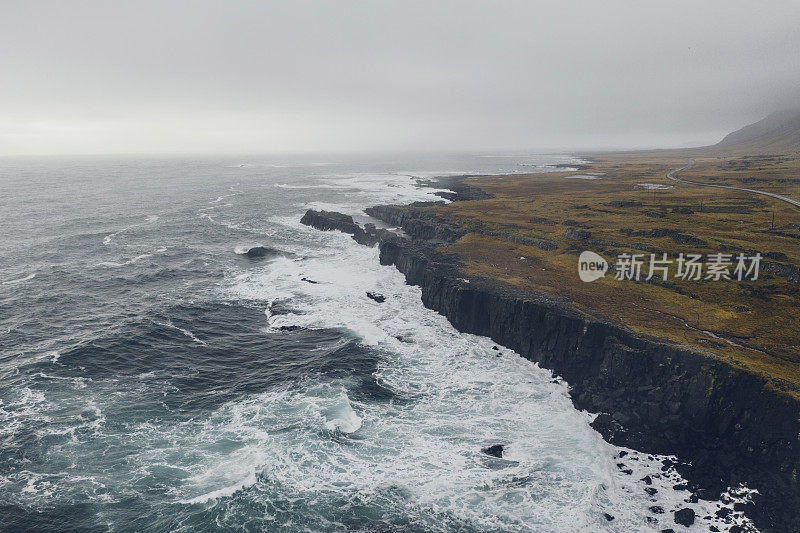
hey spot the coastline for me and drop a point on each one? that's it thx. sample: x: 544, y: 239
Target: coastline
x: 726, y: 425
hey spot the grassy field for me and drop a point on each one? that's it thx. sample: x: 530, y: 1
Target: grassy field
x: 628, y: 206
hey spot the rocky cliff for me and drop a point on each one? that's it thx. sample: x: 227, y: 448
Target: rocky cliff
x: 726, y: 425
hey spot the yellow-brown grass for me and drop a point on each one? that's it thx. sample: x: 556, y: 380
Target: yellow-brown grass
x: 755, y: 324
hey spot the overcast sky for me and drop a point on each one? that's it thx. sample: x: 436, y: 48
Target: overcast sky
x: 239, y: 76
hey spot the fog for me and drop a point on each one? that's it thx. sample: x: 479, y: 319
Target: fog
x: 98, y: 77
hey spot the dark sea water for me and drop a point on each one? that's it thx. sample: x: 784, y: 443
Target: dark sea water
x: 153, y: 378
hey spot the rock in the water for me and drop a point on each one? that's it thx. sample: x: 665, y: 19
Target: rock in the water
x: 685, y: 517
x: 380, y: 298
x: 257, y: 252
x: 608, y: 517
x: 724, y: 512
x: 309, y: 280
x: 496, y: 450
x: 330, y: 220
x: 290, y: 328
x: 369, y: 235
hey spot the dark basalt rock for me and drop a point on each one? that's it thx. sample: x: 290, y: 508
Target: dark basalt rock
x: 380, y: 298
x: 724, y: 512
x: 577, y: 234
x: 607, y: 427
x: 258, y: 252
x: 778, y: 256
x: 458, y: 190
x: 624, y: 203
x: 527, y: 241
x: 496, y: 450
x: 309, y: 281
x: 685, y: 238
x: 329, y: 220
x: 786, y: 271
x: 417, y: 224
x: 575, y: 224
x: 369, y: 235
x: 685, y: 517
x: 608, y: 517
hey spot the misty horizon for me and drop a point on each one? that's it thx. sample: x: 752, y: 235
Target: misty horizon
x: 345, y: 78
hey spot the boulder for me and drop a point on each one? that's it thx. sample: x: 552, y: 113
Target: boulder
x: 380, y: 298
x: 330, y: 220
x: 577, y: 234
x: 495, y: 450
x: 258, y: 252
x: 685, y: 517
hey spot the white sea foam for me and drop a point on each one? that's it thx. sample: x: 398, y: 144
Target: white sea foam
x: 186, y: 332
x: 108, y: 239
x: 131, y: 261
x: 341, y: 417
x: 20, y: 280
x: 319, y: 186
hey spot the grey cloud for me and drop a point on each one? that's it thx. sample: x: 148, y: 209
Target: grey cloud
x: 242, y: 76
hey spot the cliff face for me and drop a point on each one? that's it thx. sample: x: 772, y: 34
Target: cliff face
x: 418, y: 225
x: 723, y: 423
x: 658, y: 398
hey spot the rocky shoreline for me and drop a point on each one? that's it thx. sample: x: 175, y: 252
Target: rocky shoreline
x: 726, y: 425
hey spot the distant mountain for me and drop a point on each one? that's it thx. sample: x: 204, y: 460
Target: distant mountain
x: 779, y: 132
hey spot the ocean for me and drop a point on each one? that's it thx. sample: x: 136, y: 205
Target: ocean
x: 155, y: 378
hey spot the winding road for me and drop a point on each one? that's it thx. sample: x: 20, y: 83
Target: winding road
x: 689, y: 163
